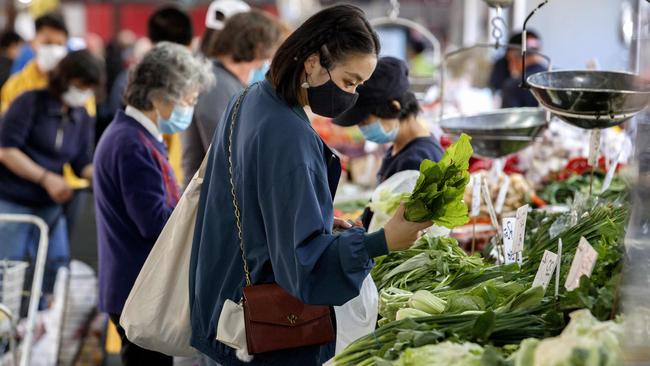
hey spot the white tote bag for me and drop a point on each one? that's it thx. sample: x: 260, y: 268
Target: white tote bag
x: 156, y: 315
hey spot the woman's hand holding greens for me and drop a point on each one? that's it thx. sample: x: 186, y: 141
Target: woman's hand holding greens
x: 400, y: 233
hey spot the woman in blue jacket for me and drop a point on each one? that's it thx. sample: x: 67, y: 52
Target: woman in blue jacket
x: 285, y: 178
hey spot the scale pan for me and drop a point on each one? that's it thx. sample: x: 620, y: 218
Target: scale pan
x: 498, y: 133
x: 591, y: 99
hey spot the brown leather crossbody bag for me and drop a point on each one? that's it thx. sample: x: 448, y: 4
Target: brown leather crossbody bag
x: 274, y: 319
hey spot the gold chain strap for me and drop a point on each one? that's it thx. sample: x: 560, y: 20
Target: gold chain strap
x: 240, y: 234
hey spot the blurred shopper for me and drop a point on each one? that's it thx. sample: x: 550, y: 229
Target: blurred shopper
x: 135, y: 188
x: 386, y: 113
x: 50, y: 47
x: 512, y: 94
x: 244, y: 45
x: 43, y: 130
x: 501, y: 70
x: 10, y: 44
x: 167, y: 24
x: 284, y: 179
x: 215, y: 19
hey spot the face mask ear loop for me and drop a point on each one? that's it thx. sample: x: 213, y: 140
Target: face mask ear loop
x: 331, y: 91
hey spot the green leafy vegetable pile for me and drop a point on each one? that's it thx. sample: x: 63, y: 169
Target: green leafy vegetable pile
x: 562, y: 192
x: 435, y: 292
x: 438, y: 193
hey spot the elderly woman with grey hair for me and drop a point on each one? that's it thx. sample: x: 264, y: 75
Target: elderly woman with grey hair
x: 134, y: 185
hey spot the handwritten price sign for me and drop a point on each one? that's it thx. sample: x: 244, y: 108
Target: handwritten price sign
x: 582, y: 265
x: 546, y: 270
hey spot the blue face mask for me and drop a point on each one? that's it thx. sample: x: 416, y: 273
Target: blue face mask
x: 178, y: 121
x: 375, y: 132
x: 259, y: 74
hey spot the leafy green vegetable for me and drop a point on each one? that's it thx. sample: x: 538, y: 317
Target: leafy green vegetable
x: 390, y: 341
x: 585, y: 341
x: 443, y: 354
x: 426, y: 301
x: 438, y: 193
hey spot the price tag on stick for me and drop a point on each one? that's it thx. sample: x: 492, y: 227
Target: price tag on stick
x: 508, y: 224
x: 594, y: 147
x: 485, y: 189
x: 476, y: 195
x: 582, y: 265
x: 610, y: 173
x: 520, y: 228
x: 503, y: 193
x: 546, y: 270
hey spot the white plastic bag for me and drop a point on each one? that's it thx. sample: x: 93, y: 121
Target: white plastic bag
x: 357, y: 317
x: 156, y: 315
x: 401, y: 182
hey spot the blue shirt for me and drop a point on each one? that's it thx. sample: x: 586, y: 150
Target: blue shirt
x: 410, y: 157
x: 36, y: 124
x: 135, y: 193
x: 285, y: 177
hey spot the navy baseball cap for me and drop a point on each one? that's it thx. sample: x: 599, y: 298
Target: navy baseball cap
x: 389, y: 82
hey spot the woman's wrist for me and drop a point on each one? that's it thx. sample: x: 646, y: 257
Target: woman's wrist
x: 43, y: 177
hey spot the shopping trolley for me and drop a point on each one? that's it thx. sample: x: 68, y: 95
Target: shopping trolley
x: 12, y: 276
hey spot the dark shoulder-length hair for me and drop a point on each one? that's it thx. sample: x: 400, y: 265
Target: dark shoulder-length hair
x: 334, y: 33
x: 78, y: 65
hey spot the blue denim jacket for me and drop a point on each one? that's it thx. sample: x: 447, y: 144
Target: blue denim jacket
x: 285, y: 179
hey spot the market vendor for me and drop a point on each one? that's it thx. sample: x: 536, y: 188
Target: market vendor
x: 284, y: 180
x: 387, y: 112
x: 512, y: 94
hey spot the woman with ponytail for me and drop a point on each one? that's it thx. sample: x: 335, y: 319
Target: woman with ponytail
x: 271, y: 179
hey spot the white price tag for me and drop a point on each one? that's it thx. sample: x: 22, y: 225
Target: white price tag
x: 488, y: 202
x: 546, y: 270
x: 582, y: 265
x: 594, y: 147
x: 610, y: 173
x: 476, y: 195
x: 496, y: 171
x: 508, y: 224
x: 503, y: 193
x: 520, y: 228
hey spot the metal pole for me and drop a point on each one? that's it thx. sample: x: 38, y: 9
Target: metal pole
x: 637, y: 44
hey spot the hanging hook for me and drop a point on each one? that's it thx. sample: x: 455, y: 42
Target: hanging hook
x: 394, y: 11
x: 524, y: 34
x: 499, y: 26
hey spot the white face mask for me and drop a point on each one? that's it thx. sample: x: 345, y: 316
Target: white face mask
x: 49, y: 55
x: 76, y: 97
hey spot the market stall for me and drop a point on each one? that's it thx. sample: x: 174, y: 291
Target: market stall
x: 530, y: 272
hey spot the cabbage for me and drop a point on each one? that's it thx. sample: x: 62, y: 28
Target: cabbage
x: 443, y: 354
x: 585, y: 341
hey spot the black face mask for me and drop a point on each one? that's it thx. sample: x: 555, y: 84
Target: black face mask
x: 328, y: 100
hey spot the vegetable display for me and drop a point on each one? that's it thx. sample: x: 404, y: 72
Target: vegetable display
x: 435, y: 292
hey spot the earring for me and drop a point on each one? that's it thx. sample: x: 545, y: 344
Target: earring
x: 305, y: 85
